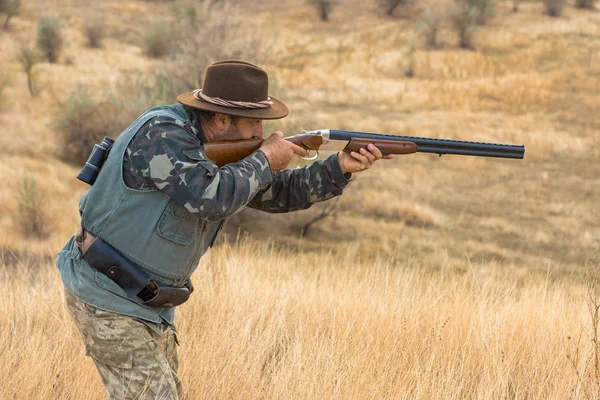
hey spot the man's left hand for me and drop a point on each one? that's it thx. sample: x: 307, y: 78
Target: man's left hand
x: 362, y: 160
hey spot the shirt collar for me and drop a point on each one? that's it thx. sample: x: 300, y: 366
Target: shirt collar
x: 194, y: 123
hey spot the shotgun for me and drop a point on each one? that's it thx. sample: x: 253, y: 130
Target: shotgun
x: 225, y: 152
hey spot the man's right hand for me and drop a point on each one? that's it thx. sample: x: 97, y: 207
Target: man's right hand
x: 279, y: 152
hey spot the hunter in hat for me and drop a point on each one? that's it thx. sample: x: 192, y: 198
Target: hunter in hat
x: 157, y: 206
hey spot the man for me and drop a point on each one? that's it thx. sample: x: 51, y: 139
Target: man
x: 159, y: 203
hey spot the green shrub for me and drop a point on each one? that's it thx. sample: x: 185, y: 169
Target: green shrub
x: 11, y: 8
x: 156, y: 39
x: 218, y: 37
x: 32, y: 217
x: 515, y: 5
x: 139, y: 91
x: 409, y: 72
x: 391, y: 5
x: 184, y: 10
x: 588, y: 4
x: 94, y: 29
x: 554, y: 7
x: 482, y: 9
x: 81, y: 123
x: 429, y: 26
x: 197, y: 42
x: 4, y: 80
x: 49, y: 38
x: 28, y: 58
x: 324, y: 8
x: 463, y: 22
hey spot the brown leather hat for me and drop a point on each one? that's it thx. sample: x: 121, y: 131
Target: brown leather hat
x: 235, y: 88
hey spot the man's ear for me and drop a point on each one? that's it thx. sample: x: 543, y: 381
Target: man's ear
x: 222, y: 121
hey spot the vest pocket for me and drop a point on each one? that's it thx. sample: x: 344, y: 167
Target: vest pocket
x: 177, y: 224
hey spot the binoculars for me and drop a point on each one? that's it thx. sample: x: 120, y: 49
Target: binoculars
x: 90, y: 171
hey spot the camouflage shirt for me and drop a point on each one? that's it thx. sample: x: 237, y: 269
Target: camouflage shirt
x: 167, y: 155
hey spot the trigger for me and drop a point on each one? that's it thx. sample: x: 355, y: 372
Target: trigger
x: 309, y: 158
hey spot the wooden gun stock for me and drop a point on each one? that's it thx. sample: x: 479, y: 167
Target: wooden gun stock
x: 229, y: 151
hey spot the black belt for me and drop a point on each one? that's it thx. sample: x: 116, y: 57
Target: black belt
x: 107, y: 260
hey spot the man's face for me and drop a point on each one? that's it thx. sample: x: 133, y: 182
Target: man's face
x: 244, y: 128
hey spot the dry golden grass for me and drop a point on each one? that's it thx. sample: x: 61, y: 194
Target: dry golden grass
x: 450, y: 277
x: 266, y: 323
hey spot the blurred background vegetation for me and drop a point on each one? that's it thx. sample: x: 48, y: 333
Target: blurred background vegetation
x: 521, y: 72
x: 453, y: 277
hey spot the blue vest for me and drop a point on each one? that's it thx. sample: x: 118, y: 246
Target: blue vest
x: 162, y: 237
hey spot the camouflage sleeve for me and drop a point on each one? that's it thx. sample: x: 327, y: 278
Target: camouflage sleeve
x: 300, y: 188
x: 173, y: 160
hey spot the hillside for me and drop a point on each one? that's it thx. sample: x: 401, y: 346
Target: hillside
x: 497, y: 247
x: 532, y: 80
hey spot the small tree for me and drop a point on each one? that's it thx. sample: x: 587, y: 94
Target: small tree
x: 32, y: 218
x: 329, y: 209
x: 4, y: 80
x: 49, y: 38
x: 589, y: 4
x: 463, y: 22
x: 554, y: 7
x: 82, y: 122
x: 28, y: 57
x: 410, y: 54
x: 391, y: 5
x: 11, y: 8
x: 324, y: 7
x: 156, y: 39
x: 482, y: 9
x: 184, y: 10
x: 94, y: 29
x: 429, y: 26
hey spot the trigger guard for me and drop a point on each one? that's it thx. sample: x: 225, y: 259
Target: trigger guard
x: 313, y: 158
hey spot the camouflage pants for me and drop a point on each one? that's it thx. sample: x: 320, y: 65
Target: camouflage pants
x: 134, y: 361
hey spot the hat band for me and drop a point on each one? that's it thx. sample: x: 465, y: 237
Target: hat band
x: 231, y: 103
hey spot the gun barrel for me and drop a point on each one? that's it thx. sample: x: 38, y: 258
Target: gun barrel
x: 441, y: 146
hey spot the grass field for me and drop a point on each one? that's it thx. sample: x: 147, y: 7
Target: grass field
x: 265, y: 323
x: 450, y: 277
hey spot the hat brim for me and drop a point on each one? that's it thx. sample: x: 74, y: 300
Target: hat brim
x: 276, y: 111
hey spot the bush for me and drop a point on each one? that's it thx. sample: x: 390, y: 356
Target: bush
x: 156, y: 39
x: 29, y: 57
x: 49, y: 38
x: 482, y: 9
x: 410, y: 54
x: 82, y: 122
x: 324, y: 8
x: 554, y: 7
x: 588, y: 4
x: 32, y: 218
x: 11, y: 8
x: 184, y: 10
x: 429, y: 26
x: 4, y: 80
x: 515, y: 5
x: 198, y: 41
x: 391, y: 5
x: 463, y: 22
x: 94, y: 29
